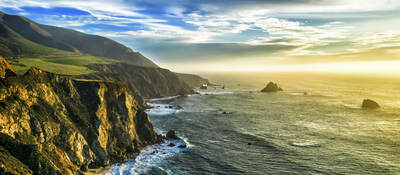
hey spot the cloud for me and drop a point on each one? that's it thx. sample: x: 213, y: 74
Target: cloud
x: 224, y: 30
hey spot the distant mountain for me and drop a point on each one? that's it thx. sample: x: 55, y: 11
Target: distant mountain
x: 20, y: 36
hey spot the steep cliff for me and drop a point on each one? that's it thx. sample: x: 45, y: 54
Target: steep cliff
x: 51, y: 124
x: 150, y: 82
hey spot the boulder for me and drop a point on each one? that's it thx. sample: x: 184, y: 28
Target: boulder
x: 272, y: 87
x: 171, y: 135
x: 171, y: 144
x: 369, y: 104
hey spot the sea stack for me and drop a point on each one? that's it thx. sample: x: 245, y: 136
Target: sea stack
x: 370, y: 104
x: 272, y: 87
x: 172, y: 135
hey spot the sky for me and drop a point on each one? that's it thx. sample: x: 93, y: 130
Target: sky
x: 238, y: 35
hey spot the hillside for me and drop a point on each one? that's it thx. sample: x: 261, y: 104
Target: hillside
x: 21, y: 37
x: 68, y: 52
x: 194, y: 81
x: 150, y: 82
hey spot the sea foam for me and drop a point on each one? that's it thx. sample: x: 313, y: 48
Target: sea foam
x: 151, y: 157
x: 162, y: 109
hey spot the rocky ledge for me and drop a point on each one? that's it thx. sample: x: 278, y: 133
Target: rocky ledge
x: 51, y: 124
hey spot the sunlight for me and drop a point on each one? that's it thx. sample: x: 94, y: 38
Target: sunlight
x: 383, y: 67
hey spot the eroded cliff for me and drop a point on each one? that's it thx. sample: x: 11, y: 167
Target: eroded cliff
x: 51, y: 124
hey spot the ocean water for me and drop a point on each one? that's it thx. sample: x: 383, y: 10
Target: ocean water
x: 239, y: 130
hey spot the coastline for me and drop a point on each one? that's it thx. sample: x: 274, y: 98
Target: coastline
x: 158, y: 151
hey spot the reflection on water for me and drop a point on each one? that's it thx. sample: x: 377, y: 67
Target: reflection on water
x: 322, y: 132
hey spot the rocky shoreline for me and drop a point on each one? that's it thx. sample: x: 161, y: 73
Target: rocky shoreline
x: 50, y: 124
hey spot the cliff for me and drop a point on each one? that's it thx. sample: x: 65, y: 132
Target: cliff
x: 149, y: 82
x: 194, y: 81
x: 51, y: 124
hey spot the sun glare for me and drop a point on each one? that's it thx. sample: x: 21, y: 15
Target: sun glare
x: 380, y: 67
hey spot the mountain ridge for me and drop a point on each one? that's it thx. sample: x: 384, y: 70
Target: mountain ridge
x: 63, y: 40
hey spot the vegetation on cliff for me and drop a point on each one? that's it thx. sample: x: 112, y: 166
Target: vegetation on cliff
x: 51, y: 124
x: 149, y: 82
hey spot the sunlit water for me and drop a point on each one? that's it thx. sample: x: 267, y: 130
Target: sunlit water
x: 323, y: 132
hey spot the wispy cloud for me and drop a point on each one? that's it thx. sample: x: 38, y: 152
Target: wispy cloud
x: 285, y: 28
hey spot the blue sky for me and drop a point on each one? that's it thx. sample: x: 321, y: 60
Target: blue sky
x: 179, y: 33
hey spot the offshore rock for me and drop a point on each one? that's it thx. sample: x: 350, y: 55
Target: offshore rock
x: 272, y: 87
x: 370, y: 104
x: 51, y: 124
x: 171, y: 134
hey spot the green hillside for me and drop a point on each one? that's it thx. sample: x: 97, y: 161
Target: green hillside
x: 21, y: 37
x: 73, y: 65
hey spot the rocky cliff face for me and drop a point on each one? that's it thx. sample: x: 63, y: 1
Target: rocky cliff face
x: 55, y: 125
x: 149, y: 82
x: 5, y: 68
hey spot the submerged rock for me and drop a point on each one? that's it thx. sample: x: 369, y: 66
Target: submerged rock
x: 171, y: 144
x: 370, y: 104
x: 171, y: 135
x: 272, y: 87
x: 182, y: 146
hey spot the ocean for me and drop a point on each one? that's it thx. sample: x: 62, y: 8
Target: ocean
x: 314, y: 126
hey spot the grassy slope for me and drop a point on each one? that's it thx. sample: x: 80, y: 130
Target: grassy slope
x: 75, y: 65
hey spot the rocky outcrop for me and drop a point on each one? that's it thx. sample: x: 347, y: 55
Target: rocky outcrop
x: 51, y: 124
x: 5, y: 69
x: 272, y: 87
x: 369, y: 104
x: 171, y: 135
x: 149, y: 82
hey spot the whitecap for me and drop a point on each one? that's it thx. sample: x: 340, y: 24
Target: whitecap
x: 215, y: 93
x: 299, y: 93
x: 162, y: 109
x: 213, y: 141
x: 352, y: 106
x: 151, y: 156
x: 164, y: 98
x: 304, y: 144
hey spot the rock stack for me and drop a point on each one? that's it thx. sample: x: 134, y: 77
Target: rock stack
x: 370, y: 104
x: 272, y: 87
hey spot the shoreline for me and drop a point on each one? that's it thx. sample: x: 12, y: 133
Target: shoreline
x: 148, y: 150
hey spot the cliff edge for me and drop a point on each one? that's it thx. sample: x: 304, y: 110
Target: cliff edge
x: 51, y: 124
